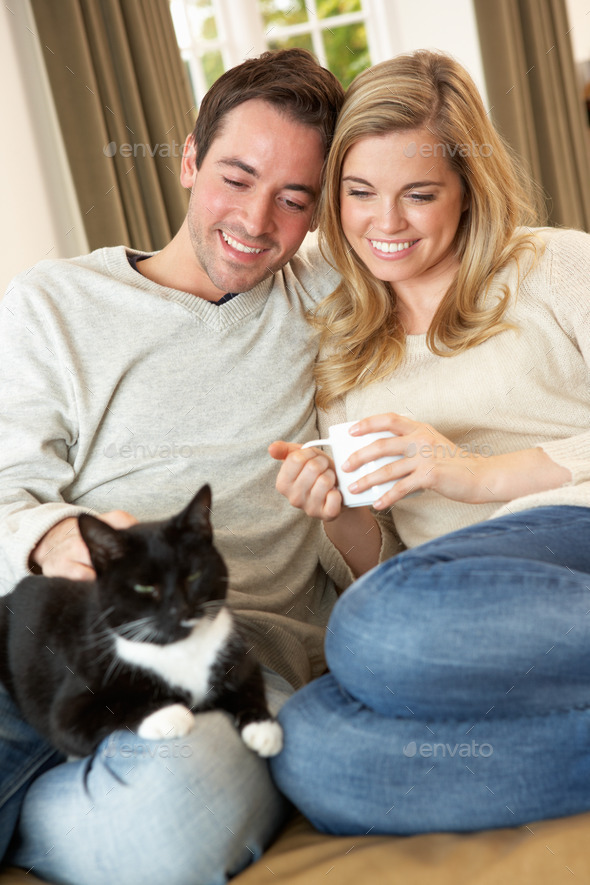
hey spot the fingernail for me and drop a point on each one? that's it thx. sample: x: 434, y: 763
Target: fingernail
x: 346, y: 465
x: 353, y: 487
x: 378, y: 504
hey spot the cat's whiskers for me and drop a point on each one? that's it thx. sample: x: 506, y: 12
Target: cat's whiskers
x: 94, y: 631
x: 111, y: 671
x: 141, y: 630
x: 96, y: 635
x: 102, y: 616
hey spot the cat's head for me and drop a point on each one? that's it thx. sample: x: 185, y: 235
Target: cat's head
x: 157, y: 580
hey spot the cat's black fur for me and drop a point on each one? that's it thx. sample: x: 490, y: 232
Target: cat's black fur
x: 156, y: 584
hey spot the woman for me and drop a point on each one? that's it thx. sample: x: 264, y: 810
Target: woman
x: 458, y: 696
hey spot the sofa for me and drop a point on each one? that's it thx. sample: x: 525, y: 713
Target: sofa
x: 551, y: 852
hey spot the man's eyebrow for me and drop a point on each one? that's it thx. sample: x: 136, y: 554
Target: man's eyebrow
x: 235, y: 163
x: 239, y: 164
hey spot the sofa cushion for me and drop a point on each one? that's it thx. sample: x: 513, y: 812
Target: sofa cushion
x: 552, y: 852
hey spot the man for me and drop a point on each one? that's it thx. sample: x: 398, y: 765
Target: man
x: 128, y: 381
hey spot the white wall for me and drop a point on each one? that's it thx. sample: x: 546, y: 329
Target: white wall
x: 579, y: 20
x: 405, y: 25
x: 39, y: 215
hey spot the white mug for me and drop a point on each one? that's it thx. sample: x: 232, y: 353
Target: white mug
x: 343, y: 445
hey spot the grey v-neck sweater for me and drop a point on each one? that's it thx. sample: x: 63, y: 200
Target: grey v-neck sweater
x: 118, y: 393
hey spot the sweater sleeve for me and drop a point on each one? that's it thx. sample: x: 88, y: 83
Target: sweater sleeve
x: 37, y: 429
x: 569, y: 286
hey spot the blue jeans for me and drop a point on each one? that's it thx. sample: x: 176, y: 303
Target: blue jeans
x: 458, y: 696
x: 192, y: 811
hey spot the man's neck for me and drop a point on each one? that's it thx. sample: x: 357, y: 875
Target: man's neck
x: 176, y: 267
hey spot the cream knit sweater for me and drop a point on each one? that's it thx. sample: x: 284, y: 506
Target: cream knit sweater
x: 118, y: 393
x: 522, y: 388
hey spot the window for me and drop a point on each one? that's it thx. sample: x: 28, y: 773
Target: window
x: 215, y: 35
x: 334, y: 30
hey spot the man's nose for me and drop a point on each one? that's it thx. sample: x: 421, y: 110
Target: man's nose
x: 258, y: 216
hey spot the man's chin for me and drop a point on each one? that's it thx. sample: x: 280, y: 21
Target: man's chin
x: 242, y: 282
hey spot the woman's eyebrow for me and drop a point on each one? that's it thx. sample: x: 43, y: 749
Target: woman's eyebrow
x: 404, y: 187
x: 358, y: 180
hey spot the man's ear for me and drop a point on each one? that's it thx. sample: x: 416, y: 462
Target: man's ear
x: 188, y: 166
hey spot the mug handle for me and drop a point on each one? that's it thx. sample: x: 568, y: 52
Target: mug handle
x: 316, y: 442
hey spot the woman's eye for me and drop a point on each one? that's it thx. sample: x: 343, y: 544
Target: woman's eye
x: 357, y: 193
x: 421, y: 198
x: 144, y: 588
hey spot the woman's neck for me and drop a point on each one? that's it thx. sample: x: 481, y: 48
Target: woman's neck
x: 418, y: 300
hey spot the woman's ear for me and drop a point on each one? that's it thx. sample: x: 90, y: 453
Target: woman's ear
x: 188, y: 166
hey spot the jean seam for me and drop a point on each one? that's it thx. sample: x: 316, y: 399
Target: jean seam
x: 34, y: 764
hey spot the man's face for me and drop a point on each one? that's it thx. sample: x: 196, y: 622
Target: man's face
x: 253, y: 198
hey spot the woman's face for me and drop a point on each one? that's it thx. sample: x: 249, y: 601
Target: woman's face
x: 400, y: 208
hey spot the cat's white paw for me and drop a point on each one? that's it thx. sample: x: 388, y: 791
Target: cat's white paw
x: 169, y: 722
x: 265, y: 738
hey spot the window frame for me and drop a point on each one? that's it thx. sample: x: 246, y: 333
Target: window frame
x: 242, y: 34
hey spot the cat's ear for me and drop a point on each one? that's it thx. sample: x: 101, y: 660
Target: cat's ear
x: 104, y: 542
x: 197, y: 515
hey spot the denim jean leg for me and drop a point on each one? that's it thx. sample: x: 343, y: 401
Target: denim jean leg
x: 353, y: 771
x: 483, y: 622
x: 481, y: 636
x: 23, y: 756
x: 192, y: 811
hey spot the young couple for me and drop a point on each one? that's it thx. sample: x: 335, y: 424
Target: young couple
x: 456, y: 327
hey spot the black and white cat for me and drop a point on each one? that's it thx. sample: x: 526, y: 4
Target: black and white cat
x: 142, y: 646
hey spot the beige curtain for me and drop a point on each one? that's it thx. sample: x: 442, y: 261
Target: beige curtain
x: 125, y: 108
x: 536, y: 101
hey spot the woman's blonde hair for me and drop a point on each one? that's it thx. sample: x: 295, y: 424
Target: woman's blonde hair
x: 362, y: 338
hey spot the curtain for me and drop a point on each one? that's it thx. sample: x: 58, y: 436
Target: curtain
x: 124, y: 107
x: 536, y: 101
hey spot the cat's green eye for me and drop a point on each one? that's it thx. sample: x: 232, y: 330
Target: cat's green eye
x: 144, y: 588
x: 195, y: 576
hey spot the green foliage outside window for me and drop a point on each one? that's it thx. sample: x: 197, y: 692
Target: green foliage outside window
x: 347, y: 51
x: 346, y: 47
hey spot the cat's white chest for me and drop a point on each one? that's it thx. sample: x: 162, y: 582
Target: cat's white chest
x: 187, y: 663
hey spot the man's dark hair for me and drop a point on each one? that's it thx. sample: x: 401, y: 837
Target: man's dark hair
x: 290, y: 79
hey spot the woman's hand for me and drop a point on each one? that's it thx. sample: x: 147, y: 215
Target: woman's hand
x: 431, y: 461
x: 307, y: 480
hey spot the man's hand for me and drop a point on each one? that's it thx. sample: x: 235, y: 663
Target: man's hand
x: 307, y: 480
x: 62, y: 552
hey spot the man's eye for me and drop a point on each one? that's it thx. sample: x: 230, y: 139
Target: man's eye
x: 232, y: 183
x: 195, y: 576
x: 293, y: 206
